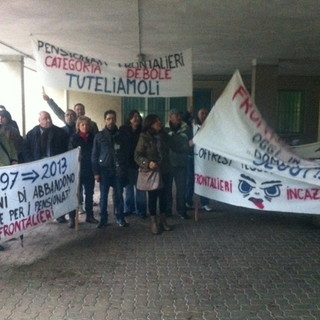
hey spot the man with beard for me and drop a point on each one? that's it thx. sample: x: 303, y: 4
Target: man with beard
x: 110, y: 167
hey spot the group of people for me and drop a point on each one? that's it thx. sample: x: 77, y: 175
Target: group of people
x: 111, y: 157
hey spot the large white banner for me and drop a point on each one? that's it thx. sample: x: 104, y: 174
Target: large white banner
x: 33, y: 193
x: 166, y: 76
x: 241, y: 161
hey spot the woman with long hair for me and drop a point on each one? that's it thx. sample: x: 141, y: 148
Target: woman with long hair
x: 152, y: 152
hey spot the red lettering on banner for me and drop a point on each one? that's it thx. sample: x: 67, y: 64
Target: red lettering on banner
x: 303, y: 194
x: 213, y: 183
x: 249, y: 110
x: 10, y: 229
x: 148, y: 74
x: 72, y: 64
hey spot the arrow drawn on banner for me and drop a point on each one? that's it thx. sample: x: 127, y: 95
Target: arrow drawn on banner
x: 30, y: 176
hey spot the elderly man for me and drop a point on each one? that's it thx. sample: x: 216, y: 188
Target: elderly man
x: 79, y: 109
x: 45, y: 140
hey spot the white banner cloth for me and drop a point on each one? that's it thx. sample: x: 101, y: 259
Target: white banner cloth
x: 33, y: 193
x: 166, y: 76
x: 241, y: 161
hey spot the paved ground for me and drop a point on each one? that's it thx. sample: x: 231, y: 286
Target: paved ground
x: 232, y: 264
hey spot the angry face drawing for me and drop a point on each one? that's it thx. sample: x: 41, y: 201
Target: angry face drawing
x: 258, y: 193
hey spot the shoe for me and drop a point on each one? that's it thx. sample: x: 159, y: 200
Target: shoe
x: 207, y: 208
x: 91, y: 220
x: 62, y: 219
x: 102, y: 224
x: 189, y: 206
x: 1, y: 248
x: 122, y: 223
x: 154, y: 225
x: 163, y: 222
x: 184, y: 216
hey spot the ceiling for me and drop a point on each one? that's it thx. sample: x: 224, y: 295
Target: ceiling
x: 224, y: 35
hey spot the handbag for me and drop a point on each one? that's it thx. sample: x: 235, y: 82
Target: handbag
x: 149, y: 180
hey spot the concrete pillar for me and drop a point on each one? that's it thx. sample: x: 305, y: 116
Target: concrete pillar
x: 12, y: 88
x: 264, y: 89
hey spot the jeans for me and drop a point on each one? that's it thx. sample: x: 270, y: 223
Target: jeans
x: 106, y: 181
x: 135, y: 200
x: 118, y: 197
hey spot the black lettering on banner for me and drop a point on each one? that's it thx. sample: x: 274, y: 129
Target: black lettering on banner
x: 7, y: 180
x: 113, y: 86
x: 213, y: 157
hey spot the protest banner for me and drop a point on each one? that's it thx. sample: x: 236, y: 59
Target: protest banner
x: 36, y: 192
x: 308, y: 151
x: 165, y: 76
x: 241, y: 161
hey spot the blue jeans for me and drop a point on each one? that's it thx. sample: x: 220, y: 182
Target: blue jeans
x: 135, y: 200
x: 108, y: 179
x: 118, y: 197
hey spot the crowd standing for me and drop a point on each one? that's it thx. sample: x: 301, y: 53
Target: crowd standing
x: 112, y: 158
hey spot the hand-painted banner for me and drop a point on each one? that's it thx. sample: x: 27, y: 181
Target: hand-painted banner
x: 36, y: 192
x: 241, y: 161
x: 166, y: 76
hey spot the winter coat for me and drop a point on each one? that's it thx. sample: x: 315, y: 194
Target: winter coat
x: 132, y: 137
x: 153, y: 147
x: 86, y: 151
x: 8, y: 152
x: 179, y: 144
x: 110, y: 152
x: 57, y: 143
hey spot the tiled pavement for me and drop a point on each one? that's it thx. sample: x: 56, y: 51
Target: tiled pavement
x: 231, y: 264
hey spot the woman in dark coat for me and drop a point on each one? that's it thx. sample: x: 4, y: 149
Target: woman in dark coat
x: 84, y: 138
x: 152, y: 152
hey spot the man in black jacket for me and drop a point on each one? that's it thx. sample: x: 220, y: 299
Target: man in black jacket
x: 45, y: 140
x: 110, y: 163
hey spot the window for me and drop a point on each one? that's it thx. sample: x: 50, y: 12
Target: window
x: 290, y: 112
x: 158, y: 106
x: 202, y: 98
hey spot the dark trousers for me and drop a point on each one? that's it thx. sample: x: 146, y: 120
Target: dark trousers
x: 179, y: 176
x: 159, y: 195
